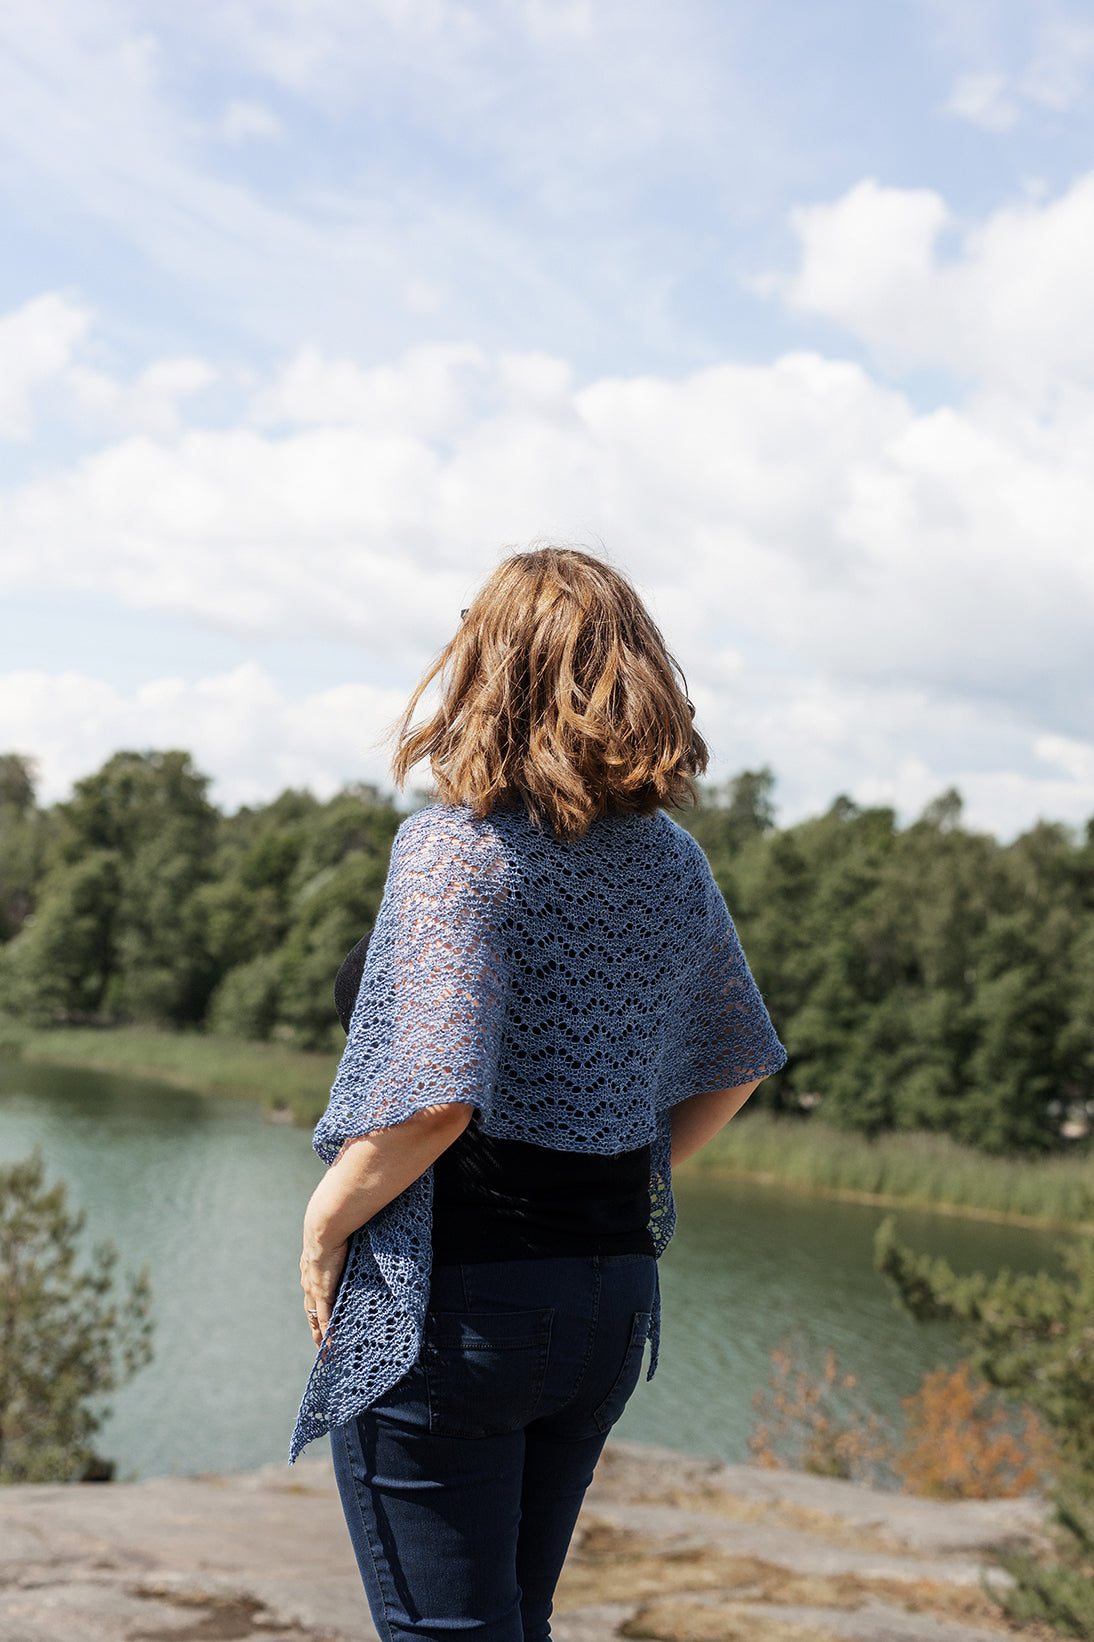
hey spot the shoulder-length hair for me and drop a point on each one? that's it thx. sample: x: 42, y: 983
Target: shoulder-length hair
x: 558, y: 694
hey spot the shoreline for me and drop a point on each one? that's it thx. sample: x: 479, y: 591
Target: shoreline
x: 290, y: 1085
x: 885, y: 1200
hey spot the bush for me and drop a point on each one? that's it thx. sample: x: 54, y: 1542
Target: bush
x: 815, y: 1421
x: 962, y: 1442
x: 65, y: 1341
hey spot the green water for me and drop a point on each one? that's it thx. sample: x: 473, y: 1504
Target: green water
x: 210, y: 1196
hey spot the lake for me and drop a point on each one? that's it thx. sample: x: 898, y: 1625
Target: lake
x: 210, y: 1196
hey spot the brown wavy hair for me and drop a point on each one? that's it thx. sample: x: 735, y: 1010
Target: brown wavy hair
x: 557, y: 692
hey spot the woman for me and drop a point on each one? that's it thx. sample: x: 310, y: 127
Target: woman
x: 553, y: 999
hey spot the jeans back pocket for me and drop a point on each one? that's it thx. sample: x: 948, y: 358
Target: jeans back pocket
x: 606, y: 1414
x: 484, y: 1370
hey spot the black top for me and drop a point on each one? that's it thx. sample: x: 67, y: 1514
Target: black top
x: 509, y: 1200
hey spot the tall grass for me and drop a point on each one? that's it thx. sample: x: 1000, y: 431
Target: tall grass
x: 913, y: 1168
x: 290, y: 1081
x: 927, y: 1169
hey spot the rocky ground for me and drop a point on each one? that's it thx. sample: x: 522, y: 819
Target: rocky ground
x: 668, y: 1548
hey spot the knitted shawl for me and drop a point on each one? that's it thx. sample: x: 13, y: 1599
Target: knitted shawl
x: 572, y: 991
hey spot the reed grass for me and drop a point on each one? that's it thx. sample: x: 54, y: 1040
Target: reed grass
x: 925, y: 1169
x: 915, y: 1168
x: 292, y: 1082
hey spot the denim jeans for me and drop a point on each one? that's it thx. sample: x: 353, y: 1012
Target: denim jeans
x: 461, y: 1485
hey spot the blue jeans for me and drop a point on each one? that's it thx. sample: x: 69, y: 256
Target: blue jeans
x: 461, y: 1485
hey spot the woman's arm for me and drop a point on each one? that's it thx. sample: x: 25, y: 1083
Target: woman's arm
x: 699, y: 1118
x: 367, y: 1174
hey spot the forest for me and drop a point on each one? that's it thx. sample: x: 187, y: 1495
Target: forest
x: 923, y: 977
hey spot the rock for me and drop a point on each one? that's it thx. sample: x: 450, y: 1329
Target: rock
x: 668, y: 1547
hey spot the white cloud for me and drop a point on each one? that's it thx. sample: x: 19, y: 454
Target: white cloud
x: 1075, y: 758
x: 152, y: 402
x: 1012, y: 306
x: 984, y: 99
x: 242, y: 121
x: 421, y: 395
x: 856, y: 589
x: 238, y: 725
x: 897, y: 748
x: 511, y: 172
x: 37, y: 342
x: 45, y: 360
x: 1053, y: 79
x: 901, y: 748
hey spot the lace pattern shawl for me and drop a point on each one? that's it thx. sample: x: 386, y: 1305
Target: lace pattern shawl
x: 572, y: 991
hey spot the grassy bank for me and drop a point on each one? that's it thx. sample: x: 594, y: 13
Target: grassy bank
x: 291, y: 1081
x: 924, y: 1169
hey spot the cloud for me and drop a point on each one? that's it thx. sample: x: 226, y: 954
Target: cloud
x: 901, y: 748
x: 239, y: 726
x: 152, y: 401
x: 1053, y: 79
x: 243, y: 121
x: 437, y: 162
x: 896, y: 748
x: 1011, y: 307
x: 871, y: 596
x: 37, y: 343
x: 46, y: 363
x: 984, y: 100
x: 856, y: 588
x: 1058, y: 73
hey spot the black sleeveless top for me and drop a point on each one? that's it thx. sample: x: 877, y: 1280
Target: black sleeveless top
x: 510, y: 1200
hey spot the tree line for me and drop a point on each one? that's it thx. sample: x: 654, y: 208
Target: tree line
x: 921, y: 977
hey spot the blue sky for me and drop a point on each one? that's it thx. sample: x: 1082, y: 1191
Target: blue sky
x: 310, y: 308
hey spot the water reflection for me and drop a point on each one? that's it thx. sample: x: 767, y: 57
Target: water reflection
x: 752, y: 1264
x: 211, y: 1197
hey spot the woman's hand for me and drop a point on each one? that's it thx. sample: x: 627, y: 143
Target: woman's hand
x: 320, y: 1273
x: 368, y: 1172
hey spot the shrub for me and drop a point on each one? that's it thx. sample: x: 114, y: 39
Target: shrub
x: 65, y: 1341
x: 962, y: 1442
x: 814, y: 1420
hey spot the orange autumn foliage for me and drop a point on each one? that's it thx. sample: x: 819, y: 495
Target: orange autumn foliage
x: 961, y: 1442
x: 961, y: 1439
x: 812, y: 1421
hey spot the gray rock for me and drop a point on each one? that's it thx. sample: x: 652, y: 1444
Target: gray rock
x: 243, y: 1556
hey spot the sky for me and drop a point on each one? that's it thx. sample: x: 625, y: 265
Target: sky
x: 311, y: 310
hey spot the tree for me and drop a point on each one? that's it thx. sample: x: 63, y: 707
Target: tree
x: 66, y: 1341
x: 16, y: 782
x: 60, y: 965
x: 1032, y: 1338
x: 21, y: 841
x: 730, y: 817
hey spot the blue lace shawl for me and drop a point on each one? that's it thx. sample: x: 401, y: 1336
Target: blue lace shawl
x: 572, y: 992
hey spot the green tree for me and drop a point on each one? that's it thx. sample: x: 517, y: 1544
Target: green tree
x: 22, y: 840
x: 66, y: 1341
x: 731, y: 816
x: 337, y: 887
x: 1032, y: 1337
x: 60, y: 965
x: 132, y: 846
x: 921, y: 977
x: 150, y: 811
